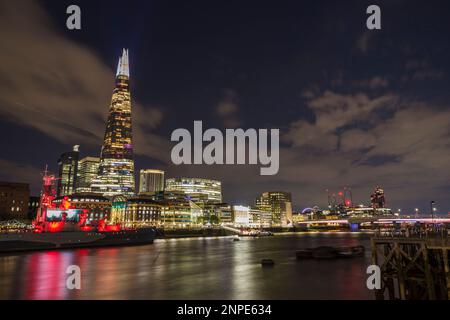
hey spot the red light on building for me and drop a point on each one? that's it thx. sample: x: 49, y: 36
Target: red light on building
x: 112, y: 228
x: 55, y: 226
x: 86, y: 228
x: 65, y: 204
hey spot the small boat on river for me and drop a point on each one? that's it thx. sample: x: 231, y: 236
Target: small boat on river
x: 267, y: 263
x: 330, y: 252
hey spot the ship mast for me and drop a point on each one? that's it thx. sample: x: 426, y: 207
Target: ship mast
x: 47, y: 196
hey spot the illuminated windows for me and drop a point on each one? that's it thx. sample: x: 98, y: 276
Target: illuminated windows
x: 116, y: 169
x: 196, y: 189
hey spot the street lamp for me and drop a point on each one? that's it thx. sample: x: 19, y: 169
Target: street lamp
x: 417, y: 212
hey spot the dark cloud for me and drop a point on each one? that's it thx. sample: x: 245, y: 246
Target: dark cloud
x: 363, y: 42
x: 227, y: 110
x: 333, y: 112
x: 59, y: 87
x: 11, y: 171
x: 420, y: 70
x: 409, y: 149
x: 374, y: 83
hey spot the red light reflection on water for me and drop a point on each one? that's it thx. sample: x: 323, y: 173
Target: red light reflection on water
x: 46, y: 276
x: 43, y: 277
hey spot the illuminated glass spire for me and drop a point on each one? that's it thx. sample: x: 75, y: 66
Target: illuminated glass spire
x: 116, y: 170
x: 123, y: 69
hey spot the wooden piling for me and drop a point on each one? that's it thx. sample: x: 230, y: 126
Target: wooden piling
x: 412, y: 268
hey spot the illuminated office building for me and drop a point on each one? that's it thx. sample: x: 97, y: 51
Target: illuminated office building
x: 279, y: 203
x: 226, y: 213
x: 260, y: 218
x: 197, y: 190
x: 142, y: 211
x: 170, y: 195
x: 241, y: 216
x: 216, y: 213
x: 116, y: 170
x: 180, y: 214
x: 68, y: 169
x: 87, y: 172
x: 151, y: 181
x: 251, y: 217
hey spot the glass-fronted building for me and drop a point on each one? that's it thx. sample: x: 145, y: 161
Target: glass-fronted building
x: 151, y: 181
x: 116, y: 170
x: 87, y: 173
x: 279, y: 203
x: 180, y: 214
x: 68, y: 170
x: 196, y: 189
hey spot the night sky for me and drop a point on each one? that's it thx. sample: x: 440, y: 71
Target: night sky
x: 355, y: 107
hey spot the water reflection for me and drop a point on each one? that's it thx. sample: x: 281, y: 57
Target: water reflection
x: 212, y: 268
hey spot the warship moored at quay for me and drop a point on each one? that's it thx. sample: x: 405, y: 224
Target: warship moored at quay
x: 66, y: 227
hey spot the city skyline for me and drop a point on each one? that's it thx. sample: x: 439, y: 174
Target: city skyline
x: 351, y: 121
x: 225, y: 158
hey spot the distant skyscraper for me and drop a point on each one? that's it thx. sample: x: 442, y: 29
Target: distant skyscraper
x: 377, y: 198
x: 151, y: 181
x: 87, y: 172
x: 68, y: 168
x: 280, y: 203
x: 116, y: 170
x: 196, y: 189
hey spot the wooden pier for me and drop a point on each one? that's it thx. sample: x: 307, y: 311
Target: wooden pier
x: 412, y: 268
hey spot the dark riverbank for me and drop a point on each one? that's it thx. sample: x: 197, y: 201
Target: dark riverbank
x: 192, y: 233
x: 220, y: 232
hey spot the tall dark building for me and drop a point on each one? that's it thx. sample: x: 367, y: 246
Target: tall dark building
x: 378, y: 199
x: 116, y: 170
x: 33, y: 205
x: 68, y: 169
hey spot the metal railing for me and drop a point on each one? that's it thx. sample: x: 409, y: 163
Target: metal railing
x: 437, y: 233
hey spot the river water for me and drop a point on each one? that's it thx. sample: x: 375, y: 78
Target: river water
x: 202, y: 268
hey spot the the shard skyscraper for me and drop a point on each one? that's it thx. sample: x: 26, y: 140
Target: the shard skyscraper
x: 116, y: 170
